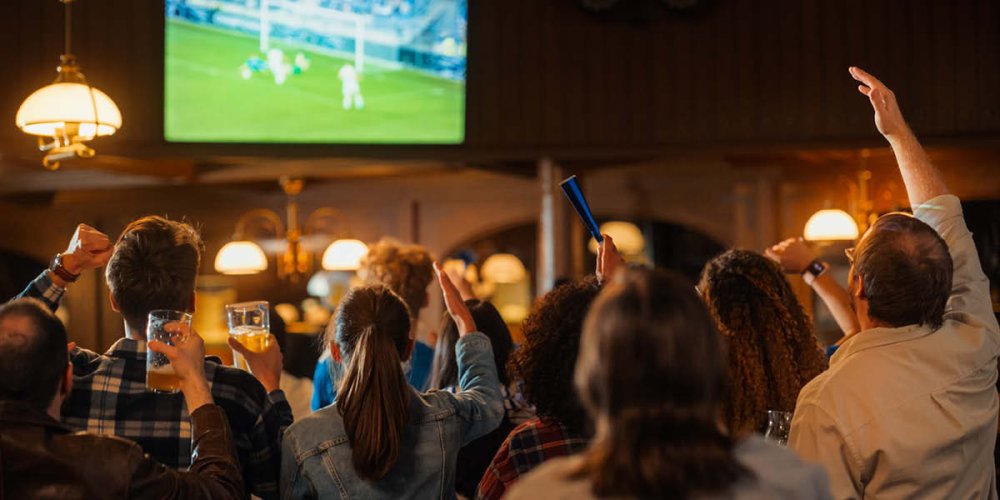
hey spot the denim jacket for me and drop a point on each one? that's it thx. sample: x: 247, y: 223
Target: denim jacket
x: 316, y: 455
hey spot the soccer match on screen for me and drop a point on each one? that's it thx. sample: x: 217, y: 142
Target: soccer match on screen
x: 315, y: 71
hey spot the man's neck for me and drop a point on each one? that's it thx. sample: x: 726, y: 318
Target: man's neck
x: 134, y: 333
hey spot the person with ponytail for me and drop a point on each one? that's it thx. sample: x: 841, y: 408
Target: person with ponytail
x: 382, y: 438
x: 651, y: 375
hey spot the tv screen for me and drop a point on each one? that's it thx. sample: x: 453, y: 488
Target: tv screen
x: 315, y: 71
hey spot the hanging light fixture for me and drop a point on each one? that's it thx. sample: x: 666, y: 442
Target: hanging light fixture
x: 296, y: 260
x: 831, y: 225
x: 69, y: 111
x: 344, y: 255
x: 628, y: 237
x: 503, y: 268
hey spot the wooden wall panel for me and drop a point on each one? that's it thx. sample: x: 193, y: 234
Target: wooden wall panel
x: 545, y: 77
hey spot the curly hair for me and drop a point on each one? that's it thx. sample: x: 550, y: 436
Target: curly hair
x: 406, y: 269
x: 544, y: 363
x: 772, y: 352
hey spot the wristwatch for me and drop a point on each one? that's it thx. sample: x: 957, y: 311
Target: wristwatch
x: 813, y: 270
x: 59, y: 270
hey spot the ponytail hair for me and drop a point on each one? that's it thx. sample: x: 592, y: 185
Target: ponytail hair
x: 372, y: 333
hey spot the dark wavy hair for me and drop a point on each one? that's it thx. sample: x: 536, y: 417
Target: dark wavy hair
x: 772, y: 352
x: 544, y: 362
x: 488, y: 320
x: 651, y: 373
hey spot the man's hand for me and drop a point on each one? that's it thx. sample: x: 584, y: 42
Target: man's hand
x: 888, y: 118
x: 456, y: 306
x: 793, y: 255
x: 265, y: 366
x: 609, y: 260
x: 88, y: 249
x: 187, y: 357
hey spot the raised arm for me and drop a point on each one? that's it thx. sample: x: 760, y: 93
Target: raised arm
x: 479, y: 401
x: 87, y: 249
x: 794, y: 255
x: 922, y: 180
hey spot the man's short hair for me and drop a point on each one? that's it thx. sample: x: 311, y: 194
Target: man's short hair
x: 154, y: 266
x: 906, y: 270
x: 32, y: 353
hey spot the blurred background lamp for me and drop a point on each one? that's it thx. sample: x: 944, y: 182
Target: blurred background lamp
x: 831, y: 225
x: 240, y: 257
x: 503, y: 268
x: 628, y: 237
x: 69, y: 111
x: 344, y: 255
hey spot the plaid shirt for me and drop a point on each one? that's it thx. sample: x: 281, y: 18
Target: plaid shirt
x: 527, y: 446
x: 109, y: 397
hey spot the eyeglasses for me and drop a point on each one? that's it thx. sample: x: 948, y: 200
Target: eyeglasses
x: 849, y: 252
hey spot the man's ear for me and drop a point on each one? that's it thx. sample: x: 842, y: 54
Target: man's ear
x: 67, y: 381
x: 335, y: 352
x: 114, y: 303
x: 859, y: 287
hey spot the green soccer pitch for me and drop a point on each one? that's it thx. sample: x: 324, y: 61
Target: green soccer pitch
x: 207, y: 100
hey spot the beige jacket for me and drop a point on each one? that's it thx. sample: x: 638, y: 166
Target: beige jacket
x: 909, y: 412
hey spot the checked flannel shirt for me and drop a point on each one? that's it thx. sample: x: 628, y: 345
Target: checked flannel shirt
x: 527, y: 446
x: 109, y: 397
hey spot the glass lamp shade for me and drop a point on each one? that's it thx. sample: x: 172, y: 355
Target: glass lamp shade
x: 52, y: 108
x: 344, y: 255
x: 831, y: 225
x: 503, y: 268
x: 240, y: 257
x: 628, y: 237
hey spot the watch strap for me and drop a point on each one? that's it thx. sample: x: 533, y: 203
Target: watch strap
x: 59, y: 270
x: 813, y: 270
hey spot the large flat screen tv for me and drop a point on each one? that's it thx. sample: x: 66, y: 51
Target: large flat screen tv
x: 315, y: 71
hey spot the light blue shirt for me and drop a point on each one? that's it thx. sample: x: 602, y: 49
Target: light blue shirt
x: 316, y: 455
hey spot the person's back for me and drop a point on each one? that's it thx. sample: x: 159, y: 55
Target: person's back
x: 154, y: 265
x: 383, y: 439
x: 909, y: 405
x: 663, y: 439
x: 42, y: 458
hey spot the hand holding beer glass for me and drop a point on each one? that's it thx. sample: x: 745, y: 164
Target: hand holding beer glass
x: 185, y: 352
x: 160, y: 374
x: 253, y: 346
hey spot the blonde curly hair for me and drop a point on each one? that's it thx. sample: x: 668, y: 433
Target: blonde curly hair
x: 406, y: 269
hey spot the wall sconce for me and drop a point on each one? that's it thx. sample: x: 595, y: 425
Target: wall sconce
x: 242, y: 256
x: 628, y: 237
x: 69, y: 111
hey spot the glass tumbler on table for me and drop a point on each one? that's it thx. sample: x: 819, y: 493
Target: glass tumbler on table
x: 160, y: 376
x: 779, y: 423
x: 250, y: 325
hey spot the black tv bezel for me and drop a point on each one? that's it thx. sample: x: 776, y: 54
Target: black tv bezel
x: 307, y: 149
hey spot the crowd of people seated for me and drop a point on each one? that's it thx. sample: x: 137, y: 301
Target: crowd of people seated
x: 631, y: 383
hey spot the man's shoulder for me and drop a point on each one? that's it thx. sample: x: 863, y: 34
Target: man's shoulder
x: 233, y: 385
x: 109, y: 449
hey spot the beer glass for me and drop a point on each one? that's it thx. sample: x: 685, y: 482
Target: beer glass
x: 160, y: 376
x: 779, y: 423
x: 250, y: 325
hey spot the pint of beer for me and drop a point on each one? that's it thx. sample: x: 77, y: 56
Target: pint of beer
x: 160, y: 376
x: 250, y: 325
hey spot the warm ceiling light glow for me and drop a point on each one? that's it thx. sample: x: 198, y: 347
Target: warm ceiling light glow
x: 628, y: 237
x: 344, y: 255
x: 831, y: 225
x: 503, y: 268
x: 240, y: 257
x: 61, y: 106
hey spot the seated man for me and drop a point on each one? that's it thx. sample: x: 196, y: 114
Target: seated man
x: 154, y: 265
x: 908, y: 407
x: 41, y: 458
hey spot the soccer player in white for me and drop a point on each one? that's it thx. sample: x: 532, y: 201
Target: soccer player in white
x: 350, y: 87
x: 276, y: 63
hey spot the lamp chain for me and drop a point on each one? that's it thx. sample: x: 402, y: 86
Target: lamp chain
x: 68, y: 28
